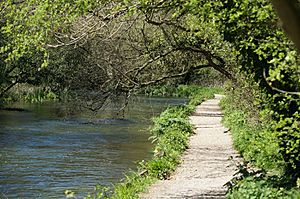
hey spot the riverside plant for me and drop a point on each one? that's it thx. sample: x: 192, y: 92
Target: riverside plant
x: 260, y: 150
x: 30, y: 94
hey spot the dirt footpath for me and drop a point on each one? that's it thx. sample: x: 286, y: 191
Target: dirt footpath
x: 207, y: 165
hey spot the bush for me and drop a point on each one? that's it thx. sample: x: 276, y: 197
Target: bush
x: 255, y: 142
x: 257, y: 187
x: 260, y: 146
x: 30, y: 94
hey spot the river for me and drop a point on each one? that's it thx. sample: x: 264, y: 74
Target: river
x: 51, y: 147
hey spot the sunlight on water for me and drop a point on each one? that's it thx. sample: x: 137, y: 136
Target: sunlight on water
x: 45, y: 151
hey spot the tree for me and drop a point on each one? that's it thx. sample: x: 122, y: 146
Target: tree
x: 26, y: 29
x: 289, y: 11
x: 121, y: 46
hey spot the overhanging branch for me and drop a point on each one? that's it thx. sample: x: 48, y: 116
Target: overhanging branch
x: 277, y: 89
x: 160, y: 79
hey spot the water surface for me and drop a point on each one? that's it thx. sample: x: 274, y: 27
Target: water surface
x: 52, y: 147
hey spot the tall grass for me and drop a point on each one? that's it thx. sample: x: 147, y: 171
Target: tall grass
x: 30, y: 94
x: 260, y: 149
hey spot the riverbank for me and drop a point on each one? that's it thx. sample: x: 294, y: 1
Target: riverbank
x: 170, y: 133
x: 30, y: 94
x: 263, y: 173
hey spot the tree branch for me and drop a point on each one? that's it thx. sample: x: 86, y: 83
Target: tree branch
x: 5, y: 90
x: 139, y: 69
x: 155, y: 81
x: 209, y: 57
x: 277, y: 89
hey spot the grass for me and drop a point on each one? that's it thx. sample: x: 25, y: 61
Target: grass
x: 170, y: 133
x: 175, y: 91
x: 30, y: 94
x: 256, y: 143
x: 259, y: 147
x: 267, y: 187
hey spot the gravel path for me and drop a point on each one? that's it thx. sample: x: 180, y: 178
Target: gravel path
x: 207, y: 165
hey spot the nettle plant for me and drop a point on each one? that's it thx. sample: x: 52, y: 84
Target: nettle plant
x: 266, y: 54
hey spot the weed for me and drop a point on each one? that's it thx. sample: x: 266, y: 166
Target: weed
x: 259, y: 147
x: 30, y: 94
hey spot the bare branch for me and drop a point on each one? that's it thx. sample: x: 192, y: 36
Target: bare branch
x: 139, y: 69
x: 170, y: 76
x: 5, y: 90
x: 209, y: 57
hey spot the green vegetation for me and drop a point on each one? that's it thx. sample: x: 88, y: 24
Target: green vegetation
x: 262, y: 109
x: 276, y: 73
x: 170, y: 134
x: 102, y: 50
x: 30, y: 94
x: 263, y: 187
x: 254, y: 139
x: 174, y: 91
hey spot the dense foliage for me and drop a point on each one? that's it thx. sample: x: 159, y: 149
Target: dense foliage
x: 106, y: 49
x: 260, y: 187
x: 102, y: 49
x: 261, y: 175
x: 272, y: 60
x: 267, y: 96
x: 28, y: 31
